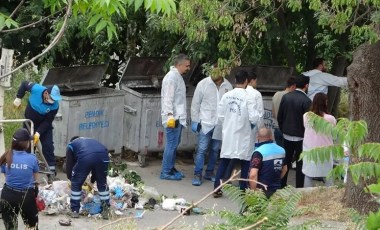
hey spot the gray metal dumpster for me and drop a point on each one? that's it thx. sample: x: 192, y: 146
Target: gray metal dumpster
x: 143, y: 130
x: 270, y: 79
x: 86, y: 109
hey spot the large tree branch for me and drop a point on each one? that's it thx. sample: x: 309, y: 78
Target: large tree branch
x: 56, y: 39
x: 234, y: 177
x: 30, y: 25
x: 17, y: 8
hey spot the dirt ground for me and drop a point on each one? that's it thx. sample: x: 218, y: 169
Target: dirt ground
x: 322, y: 204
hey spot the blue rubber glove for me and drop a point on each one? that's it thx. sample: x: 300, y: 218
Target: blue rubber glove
x: 253, y: 126
x: 118, y: 192
x: 194, y: 126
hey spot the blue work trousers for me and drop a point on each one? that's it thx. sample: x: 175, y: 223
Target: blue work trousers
x: 97, y: 164
x: 224, y: 162
x: 173, y: 138
x: 206, y: 144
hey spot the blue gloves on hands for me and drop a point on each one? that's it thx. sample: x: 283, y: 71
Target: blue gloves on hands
x: 194, y: 126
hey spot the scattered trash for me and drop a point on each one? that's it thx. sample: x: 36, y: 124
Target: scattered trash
x: 139, y: 214
x: 117, y: 212
x: 64, y: 222
x: 54, y: 199
x: 182, y: 209
x: 40, y: 203
x: 197, y: 211
x: 51, y: 212
x: 172, y: 204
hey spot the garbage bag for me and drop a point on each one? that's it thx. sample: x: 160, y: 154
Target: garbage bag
x: 92, y: 208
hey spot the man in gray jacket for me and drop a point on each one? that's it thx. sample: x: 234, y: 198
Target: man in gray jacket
x: 204, y: 118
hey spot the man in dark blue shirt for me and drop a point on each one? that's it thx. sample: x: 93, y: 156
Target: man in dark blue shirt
x: 267, y: 164
x: 85, y: 155
x: 41, y: 109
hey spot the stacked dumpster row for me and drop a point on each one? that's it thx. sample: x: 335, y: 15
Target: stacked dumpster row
x: 129, y: 118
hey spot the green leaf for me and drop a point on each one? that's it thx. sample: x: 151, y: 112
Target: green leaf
x: 374, y: 188
x: 2, y: 22
x: 138, y: 4
x: 100, y: 26
x: 373, y: 222
x: 109, y: 32
x: 323, y: 154
x: 370, y: 150
x: 111, y: 29
x: 320, y: 125
x: 365, y: 170
x: 94, y: 19
x: 337, y: 172
x: 172, y: 5
x: 356, y: 133
x: 148, y: 3
x: 8, y: 23
x: 159, y: 5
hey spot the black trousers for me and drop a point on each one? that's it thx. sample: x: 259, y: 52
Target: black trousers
x: 13, y: 202
x: 293, y: 151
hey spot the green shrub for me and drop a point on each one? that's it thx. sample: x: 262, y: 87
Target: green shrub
x: 10, y: 112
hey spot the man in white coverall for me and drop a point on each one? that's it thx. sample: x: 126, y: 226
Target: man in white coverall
x: 173, y: 114
x: 204, y: 119
x: 236, y: 113
x: 258, y: 103
x: 320, y: 80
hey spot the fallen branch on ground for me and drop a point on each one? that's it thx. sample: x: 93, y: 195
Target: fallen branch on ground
x: 232, y: 178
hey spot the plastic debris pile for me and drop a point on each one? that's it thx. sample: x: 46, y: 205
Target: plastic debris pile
x: 56, y: 197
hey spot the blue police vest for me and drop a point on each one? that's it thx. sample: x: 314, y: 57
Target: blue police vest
x: 270, y: 172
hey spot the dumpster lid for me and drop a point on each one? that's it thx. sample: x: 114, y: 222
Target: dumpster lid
x: 143, y: 72
x: 269, y: 78
x: 75, y: 78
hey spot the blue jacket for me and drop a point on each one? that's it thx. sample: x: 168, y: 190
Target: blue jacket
x: 42, y: 114
x: 272, y: 160
x: 81, y: 149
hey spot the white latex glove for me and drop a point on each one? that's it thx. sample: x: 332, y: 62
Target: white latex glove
x: 17, y: 102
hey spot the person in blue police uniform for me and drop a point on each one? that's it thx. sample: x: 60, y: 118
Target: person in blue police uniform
x: 267, y: 164
x: 41, y: 109
x: 85, y: 155
x: 20, y: 188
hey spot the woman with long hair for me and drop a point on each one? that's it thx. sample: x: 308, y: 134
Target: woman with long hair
x: 312, y: 140
x: 19, y: 193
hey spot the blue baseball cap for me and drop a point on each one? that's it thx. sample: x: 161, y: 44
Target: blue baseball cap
x: 55, y: 93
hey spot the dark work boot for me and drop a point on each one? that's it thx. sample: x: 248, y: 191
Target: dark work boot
x: 106, y: 212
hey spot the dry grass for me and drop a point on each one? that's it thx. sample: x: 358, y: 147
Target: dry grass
x: 324, y: 204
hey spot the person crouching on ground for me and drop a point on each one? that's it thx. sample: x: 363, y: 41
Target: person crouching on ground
x: 85, y: 155
x: 19, y: 191
x: 267, y: 164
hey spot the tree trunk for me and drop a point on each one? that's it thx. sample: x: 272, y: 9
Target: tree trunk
x: 333, y: 96
x: 364, y: 84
